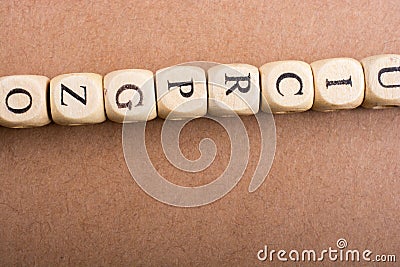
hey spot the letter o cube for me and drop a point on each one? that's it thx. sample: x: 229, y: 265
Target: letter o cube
x: 23, y: 101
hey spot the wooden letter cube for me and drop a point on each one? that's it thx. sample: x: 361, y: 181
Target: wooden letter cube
x: 183, y: 90
x: 77, y: 99
x: 130, y: 95
x: 382, y: 81
x: 233, y: 88
x: 286, y: 86
x: 339, y: 84
x: 23, y: 101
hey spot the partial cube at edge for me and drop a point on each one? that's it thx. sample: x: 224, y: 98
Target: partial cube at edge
x: 286, y: 86
x: 181, y: 92
x: 233, y: 88
x: 77, y: 99
x: 130, y: 96
x: 382, y: 81
x: 24, y: 101
x: 339, y: 84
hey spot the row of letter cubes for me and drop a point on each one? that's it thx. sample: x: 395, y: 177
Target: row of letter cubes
x: 189, y: 91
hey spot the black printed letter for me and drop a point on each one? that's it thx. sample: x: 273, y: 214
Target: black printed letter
x: 19, y: 110
x: 73, y: 94
x: 129, y: 103
x: 180, y: 84
x: 237, y: 85
x: 289, y: 75
x: 382, y: 71
x: 339, y: 82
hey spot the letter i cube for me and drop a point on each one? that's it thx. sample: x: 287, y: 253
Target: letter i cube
x: 339, y: 84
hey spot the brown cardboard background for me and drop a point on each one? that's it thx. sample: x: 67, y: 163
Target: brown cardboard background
x: 67, y: 198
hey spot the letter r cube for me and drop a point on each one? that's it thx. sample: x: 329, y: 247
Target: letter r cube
x: 233, y: 88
